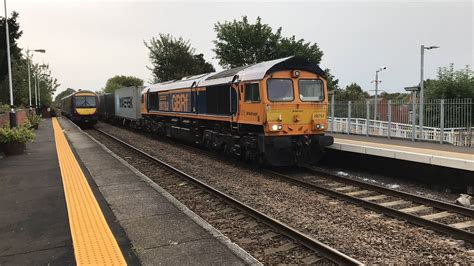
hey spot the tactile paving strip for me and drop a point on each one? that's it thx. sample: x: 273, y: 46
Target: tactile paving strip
x: 92, y: 238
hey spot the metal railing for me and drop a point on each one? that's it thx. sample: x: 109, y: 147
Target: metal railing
x: 445, y: 120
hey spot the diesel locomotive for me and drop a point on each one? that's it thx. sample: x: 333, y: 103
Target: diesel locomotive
x: 273, y: 112
x: 81, y: 107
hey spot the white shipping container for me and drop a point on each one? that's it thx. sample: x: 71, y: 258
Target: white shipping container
x: 127, y: 102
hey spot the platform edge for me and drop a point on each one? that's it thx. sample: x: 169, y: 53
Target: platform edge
x: 234, y: 248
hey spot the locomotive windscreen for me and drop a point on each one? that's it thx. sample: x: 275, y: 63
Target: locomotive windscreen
x: 85, y: 101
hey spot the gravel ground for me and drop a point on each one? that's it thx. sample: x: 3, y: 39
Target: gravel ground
x: 417, y: 188
x: 359, y: 233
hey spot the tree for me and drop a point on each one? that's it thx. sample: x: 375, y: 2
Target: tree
x: 352, y: 92
x: 333, y: 83
x: 46, y: 83
x: 120, y: 81
x: 397, y: 96
x: 174, y: 58
x: 450, y: 83
x: 240, y: 43
x: 15, y: 53
x: 291, y: 46
x: 66, y: 92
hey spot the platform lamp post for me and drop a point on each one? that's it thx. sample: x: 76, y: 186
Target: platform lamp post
x: 422, y: 62
x: 29, y: 73
x: 413, y: 90
x: 39, y: 88
x: 9, y: 64
x: 377, y: 81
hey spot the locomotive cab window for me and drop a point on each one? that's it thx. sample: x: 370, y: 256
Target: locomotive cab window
x: 252, y: 92
x: 280, y: 90
x: 85, y: 101
x: 311, y: 90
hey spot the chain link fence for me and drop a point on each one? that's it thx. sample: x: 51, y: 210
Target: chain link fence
x: 444, y: 120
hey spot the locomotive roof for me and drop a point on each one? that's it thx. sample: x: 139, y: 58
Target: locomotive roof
x: 76, y: 92
x: 244, y: 73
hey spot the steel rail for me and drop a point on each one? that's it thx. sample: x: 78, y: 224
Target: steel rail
x: 415, y: 198
x: 307, y: 241
x: 440, y: 227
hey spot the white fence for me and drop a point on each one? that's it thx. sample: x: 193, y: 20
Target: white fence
x: 358, y: 126
x: 445, y: 120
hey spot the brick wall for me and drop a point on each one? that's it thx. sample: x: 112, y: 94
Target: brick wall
x: 21, y: 116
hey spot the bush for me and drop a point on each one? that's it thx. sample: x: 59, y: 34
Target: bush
x: 34, y: 119
x: 4, y: 108
x: 21, y: 134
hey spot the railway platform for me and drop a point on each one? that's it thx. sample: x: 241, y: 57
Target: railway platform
x: 442, y: 155
x: 69, y: 200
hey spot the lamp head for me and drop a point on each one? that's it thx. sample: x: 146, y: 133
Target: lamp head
x: 40, y: 51
x: 431, y: 47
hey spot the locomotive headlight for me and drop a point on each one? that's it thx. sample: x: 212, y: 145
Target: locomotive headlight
x: 319, y: 127
x: 276, y: 127
x: 296, y: 73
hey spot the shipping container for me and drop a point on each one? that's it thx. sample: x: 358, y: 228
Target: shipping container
x: 127, y: 103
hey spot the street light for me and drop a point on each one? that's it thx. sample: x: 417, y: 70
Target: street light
x: 39, y: 88
x: 423, y: 48
x: 29, y: 73
x: 9, y: 63
x: 377, y: 81
x: 413, y: 90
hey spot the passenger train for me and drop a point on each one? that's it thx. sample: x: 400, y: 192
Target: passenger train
x: 273, y: 112
x: 81, y: 107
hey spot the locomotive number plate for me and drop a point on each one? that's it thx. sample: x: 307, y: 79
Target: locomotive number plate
x: 319, y: 115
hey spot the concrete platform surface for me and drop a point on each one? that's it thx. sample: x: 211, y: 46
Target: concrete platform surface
x: 34, y: 227
x: 443, y: 155
x: 162, y: 230
x: 34, y: 224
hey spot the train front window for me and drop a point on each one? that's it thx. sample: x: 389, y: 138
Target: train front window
x: 85, y: 101
x: 311, y: 90
x: 280, y: 90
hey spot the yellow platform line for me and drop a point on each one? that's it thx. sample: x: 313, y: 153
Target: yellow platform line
x: 92, y: 238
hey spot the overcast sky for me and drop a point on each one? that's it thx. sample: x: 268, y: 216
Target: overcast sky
x: 88, y: 42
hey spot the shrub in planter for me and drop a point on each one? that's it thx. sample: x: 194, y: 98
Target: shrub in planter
x: 34, y: 120
x: 14, y: 140
x: 4, y: 108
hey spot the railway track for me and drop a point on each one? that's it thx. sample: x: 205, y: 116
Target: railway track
x: 446, y: 218
x: 270, y: 237
x: 454, y: 220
